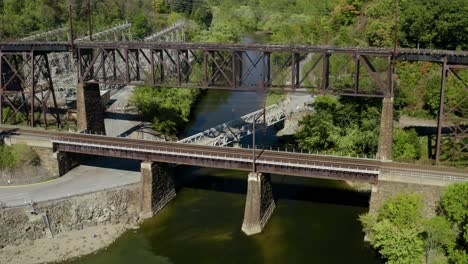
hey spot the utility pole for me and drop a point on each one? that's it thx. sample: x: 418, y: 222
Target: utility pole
x: 2, y: 6
x: 155, y: 6
x: 395, y: 33
x: 90, y: 27
x: 70, y: 29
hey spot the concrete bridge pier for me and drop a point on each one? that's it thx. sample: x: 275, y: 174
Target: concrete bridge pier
x: 259, y: 204
x: 157, y: 187
x: 90, y: 110
x: 384, y: 150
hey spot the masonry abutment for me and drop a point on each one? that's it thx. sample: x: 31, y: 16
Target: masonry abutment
x: 66, y: 161
x: 388, y: 185
x: 259, y: 204
x: 157, y: 187
x: 384, y: 151
x: 89, y: 107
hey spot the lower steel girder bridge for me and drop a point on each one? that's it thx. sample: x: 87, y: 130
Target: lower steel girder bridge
x: 157, y: 184
x: 264, y: 161
x: 26, y: 84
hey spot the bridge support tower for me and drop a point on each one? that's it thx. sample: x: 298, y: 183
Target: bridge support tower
x: 384, y: 151
x: 259, y: 204
x: 157, y: 187
x: 90, y: 110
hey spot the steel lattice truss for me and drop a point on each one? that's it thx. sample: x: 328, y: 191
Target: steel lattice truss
x: 354, y: 73
x: 26, y: 85
x: 26, y: 88
x: 453, y: 115
x: 233, y: 131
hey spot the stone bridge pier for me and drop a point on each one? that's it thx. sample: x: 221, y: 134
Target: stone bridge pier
x: 384, y: 151
x: 259, y: 204
x: 90, y: 109
x: 157, y: 187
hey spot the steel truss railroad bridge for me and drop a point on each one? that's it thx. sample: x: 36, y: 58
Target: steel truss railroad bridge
x: 26, y: 85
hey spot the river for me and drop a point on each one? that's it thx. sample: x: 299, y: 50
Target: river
x: 315, y: 220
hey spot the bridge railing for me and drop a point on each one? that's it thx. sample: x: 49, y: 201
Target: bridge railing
x: 426, y: 175
x: 240, y: 158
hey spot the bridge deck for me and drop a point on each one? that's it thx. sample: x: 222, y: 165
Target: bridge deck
x: 456, y: 57
x: 296, y: 164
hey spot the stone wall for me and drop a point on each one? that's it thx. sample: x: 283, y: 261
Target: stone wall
x: 384, y: 189
x: 118, y: 206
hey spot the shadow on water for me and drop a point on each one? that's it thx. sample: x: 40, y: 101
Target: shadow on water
x: 303, y: 189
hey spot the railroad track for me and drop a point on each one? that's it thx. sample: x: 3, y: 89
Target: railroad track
x: 239, y: 153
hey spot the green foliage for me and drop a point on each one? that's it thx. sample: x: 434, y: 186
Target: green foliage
x: 398, y: 245
x: 346, y: 12
x: 434, y: 24
x: 395, y: 231
x: 439, y: 235
x: 402, y: 210
x: 26, y: 17
x: 17, y: 155
x: 425, y: 24
x: 454, y: 203
x: 167, y: 108
x: 344, y: 125
x: 401, y: 234
x: 406, y: 145
x: 140, y: 26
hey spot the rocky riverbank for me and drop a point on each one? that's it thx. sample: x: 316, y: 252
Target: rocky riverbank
x: 67, y: 228
x: 63, y: 246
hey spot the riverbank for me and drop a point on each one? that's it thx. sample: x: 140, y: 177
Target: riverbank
x: 57, y: 230
x: 63, y: 246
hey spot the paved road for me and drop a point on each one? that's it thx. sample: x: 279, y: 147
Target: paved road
x: 83, y: 179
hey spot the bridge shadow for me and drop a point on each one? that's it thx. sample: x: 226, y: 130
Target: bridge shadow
x: 230, y: 181
x: 122, y: 116
x: 284, y: 187
x: 429, y: 130
x: 111, y: 163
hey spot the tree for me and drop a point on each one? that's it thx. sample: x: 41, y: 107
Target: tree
x: 167, y: 108
x: 343, y: 125
x: 395, y: 231
x: 406, y: 145
x: 318, y: 130
x: 440, y: 235
x: 398, y: 245
x: 454, y: 204
x: 434, y: 24
x: 140, y: 26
